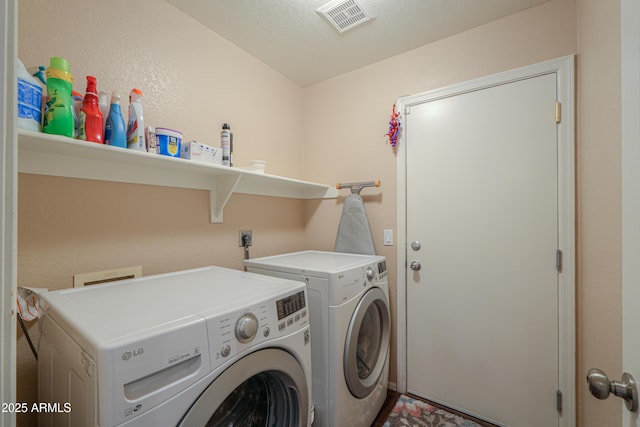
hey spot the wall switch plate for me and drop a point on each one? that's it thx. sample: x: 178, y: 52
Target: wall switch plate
x: 388, y: 237
x: 96, y: 277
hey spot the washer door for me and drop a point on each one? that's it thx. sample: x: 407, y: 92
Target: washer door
x: 265, y: 388
x: 367, y: 343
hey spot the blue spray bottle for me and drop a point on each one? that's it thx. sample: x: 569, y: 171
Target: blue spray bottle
x: 115, y: 130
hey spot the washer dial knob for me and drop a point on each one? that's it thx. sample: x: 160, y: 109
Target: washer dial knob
x: 246, y: 328
x: 225, y: 350
x: 370, y: 274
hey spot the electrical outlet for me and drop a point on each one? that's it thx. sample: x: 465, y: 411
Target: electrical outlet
x: 245, y: 238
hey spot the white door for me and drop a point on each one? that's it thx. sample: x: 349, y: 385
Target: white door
x: 600, y: 383
x: 630, y: 10
x: 482, y: 291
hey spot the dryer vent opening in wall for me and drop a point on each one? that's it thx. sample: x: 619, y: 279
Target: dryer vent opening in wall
x: 344, y: 15
x: 98, y: 277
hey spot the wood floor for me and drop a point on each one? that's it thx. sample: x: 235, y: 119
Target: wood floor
x: 390, y: 402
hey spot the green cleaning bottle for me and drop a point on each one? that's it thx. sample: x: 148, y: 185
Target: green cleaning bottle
x: 58, y: 116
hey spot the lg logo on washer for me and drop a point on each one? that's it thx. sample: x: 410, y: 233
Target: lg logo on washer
x: 128, y: 354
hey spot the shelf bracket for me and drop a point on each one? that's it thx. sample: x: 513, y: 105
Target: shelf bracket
x: 219, y: 197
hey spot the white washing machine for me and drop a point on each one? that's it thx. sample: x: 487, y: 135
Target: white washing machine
x: 349, y: 315
x: 209, y: 346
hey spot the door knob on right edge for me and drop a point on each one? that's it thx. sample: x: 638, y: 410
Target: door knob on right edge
x: 600, y: 386
x: 415, y: 265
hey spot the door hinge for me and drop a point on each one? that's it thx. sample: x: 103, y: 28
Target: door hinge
x: 559, y: 401
x: 559, y: 261
x: 558, y: 112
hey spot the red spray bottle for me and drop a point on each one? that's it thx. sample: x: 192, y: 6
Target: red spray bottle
x: 90, y: 128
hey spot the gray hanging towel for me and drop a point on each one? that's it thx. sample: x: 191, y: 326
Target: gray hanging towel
x: 354, y: 234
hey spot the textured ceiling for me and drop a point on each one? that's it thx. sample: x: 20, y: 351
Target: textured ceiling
x: 292, y: 38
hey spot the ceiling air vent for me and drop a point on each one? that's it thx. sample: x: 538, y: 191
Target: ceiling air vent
x: 343, y: 14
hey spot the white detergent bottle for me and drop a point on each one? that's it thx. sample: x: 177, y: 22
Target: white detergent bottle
x: 29, y: 100
x: 135, y: 126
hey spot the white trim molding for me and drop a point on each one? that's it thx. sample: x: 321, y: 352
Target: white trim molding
x: 8, y: 205
x: 564, y: 70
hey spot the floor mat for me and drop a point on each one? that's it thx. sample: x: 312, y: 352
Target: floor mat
x: 409, y: 412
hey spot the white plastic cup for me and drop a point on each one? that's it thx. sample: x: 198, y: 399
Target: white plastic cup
x: 258, y: 165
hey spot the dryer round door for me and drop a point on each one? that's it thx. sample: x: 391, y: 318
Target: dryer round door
x: 265, y: 388
x: 367, y: 343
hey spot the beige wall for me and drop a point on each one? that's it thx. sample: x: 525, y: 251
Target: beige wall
x: 346, y: 117
x: 193, y: 80
x: 599, y: 298
x: 341, y: 123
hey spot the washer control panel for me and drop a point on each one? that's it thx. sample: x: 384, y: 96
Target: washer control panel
x: 382, y: 269
x: 350, y: 283
x: 375, y: 272
x: 234, y: 332
x: 291, y: 309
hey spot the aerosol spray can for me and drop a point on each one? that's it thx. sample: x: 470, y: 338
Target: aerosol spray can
x: 225, y: 144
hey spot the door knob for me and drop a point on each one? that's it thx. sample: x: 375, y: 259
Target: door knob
x: 600, y: 386
x: 415, y: 265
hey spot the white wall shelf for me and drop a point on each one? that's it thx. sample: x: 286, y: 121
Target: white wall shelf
x: 54, y: 155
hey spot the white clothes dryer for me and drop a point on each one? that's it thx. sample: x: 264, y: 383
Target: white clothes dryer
x: 350, y: 324
x: 209, y: 346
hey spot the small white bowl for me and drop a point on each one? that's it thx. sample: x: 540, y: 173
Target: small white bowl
x: 258, y: 165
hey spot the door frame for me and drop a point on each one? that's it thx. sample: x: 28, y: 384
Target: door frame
x: 564, y: 69
x: 8, y: 205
